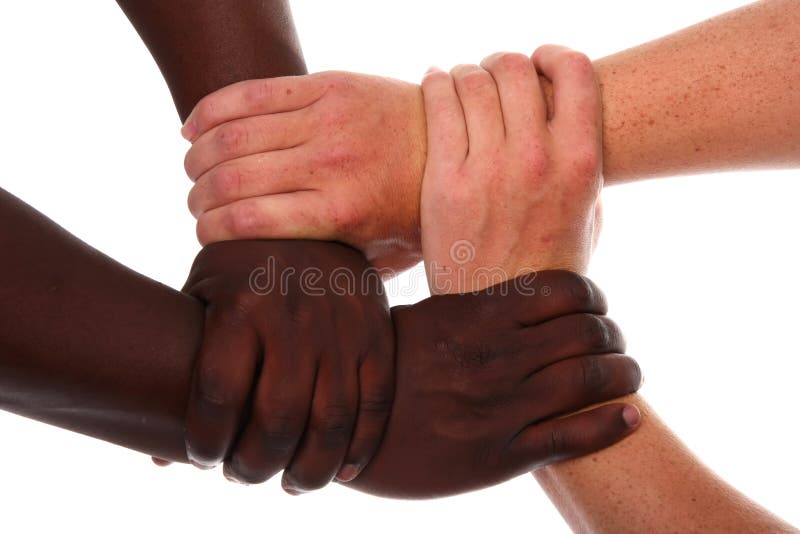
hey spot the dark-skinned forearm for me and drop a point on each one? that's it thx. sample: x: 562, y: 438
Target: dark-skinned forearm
x: 203, y: 45
x: 87, y: 344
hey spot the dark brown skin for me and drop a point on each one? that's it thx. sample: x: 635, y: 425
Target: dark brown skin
x: 479, y: 375
x: 89, y: 345
x: 300, y: 332
x: 203, y: 45
x: 200, y: 46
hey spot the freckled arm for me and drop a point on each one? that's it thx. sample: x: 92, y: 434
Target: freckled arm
x: 721, y: 95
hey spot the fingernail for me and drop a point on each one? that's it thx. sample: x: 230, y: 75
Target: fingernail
x: 198, y: 462
x: 631, y: 416
x: 204, y: 467
x: 433, y: 69
x: 189, y: 130
x: 291, y: 491
x: 230, y: 478
x: 348, y: 473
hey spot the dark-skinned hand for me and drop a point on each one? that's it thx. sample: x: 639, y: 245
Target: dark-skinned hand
x: 481, y: 378
x: 296, y: 366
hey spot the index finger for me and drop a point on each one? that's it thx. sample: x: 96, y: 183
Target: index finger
x: 447, y: 130
x: 253, y: 97
x: 576, y: 96
x: 542, y: 296
x: 221, y: 382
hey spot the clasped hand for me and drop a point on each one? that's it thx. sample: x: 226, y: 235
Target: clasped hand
x: 456, y: 392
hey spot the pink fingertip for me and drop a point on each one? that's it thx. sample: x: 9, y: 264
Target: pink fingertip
x: 348, y: 473
x: 631, y: 415
x: 189, y: 130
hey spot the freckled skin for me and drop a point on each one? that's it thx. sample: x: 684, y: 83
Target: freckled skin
x: 743, y: 115
x: 720, y: 95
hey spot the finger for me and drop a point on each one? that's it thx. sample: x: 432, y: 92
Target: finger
x: 280, y: 410
x: 521, y: 99
x: 576, y: 98
x: 253, y: 97
x: 284, y: 171
x: 376, y: 383
x: 447, y: 131
x: 537, y: 297
x: 324, y: 445
x: 576, y: 383
x: 243, y: 137
x: 298, y: 215
x: 160, y: 463
x: 221, y: 383
x: 567, y: 336
x: 481, y: 103
x: 556, y: 440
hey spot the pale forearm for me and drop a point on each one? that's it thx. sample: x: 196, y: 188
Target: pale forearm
x: 650, y: 483
x: 721, y: 95
x: 724, y: 94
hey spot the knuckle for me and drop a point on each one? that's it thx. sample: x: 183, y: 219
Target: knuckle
x: 585, y: 163
x: 242, y: 218
x: 240, y: 308
x: 258, y: 91
x: 226, y: 182
x: 279, y: 429
x: 536, y: 160
x: 230, y: 139
x: 334, y: 80
x: 635, y: 374
x: 195, y: 201
x: 578, y: 64
x: 595, y: 376
x: 616, y: 337
x: 334, y: 424
x: 338, y: 156
x: 477, y: 81
x: 203, y: 230
x: 375, y: 406
x: 204, y: 111
x: 579, y: 292
x: 557, y: 444
x: 188, y: 163
x: 214, y: 393
x: 513, y: 62
x: 435, y: 78
x: 594, y: 332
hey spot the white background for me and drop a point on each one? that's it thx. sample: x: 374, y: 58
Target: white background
x: 700, y: 271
